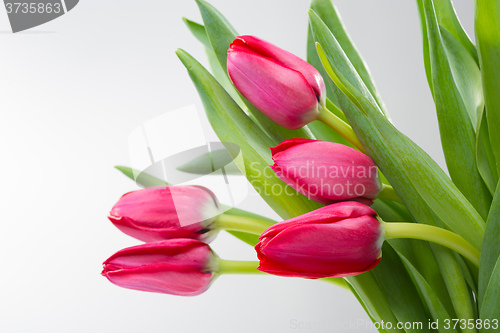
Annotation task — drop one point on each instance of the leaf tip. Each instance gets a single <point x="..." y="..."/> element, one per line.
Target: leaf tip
<point x="182" y="55"/>
<point x="312" y="13"/>
<point x="201" y="3"/>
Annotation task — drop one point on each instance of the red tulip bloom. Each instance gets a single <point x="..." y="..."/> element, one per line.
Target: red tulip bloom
<point x="326" y="172"/>
<point x="175" y="266"/>
<point x="165" y="212"/>
<point x="339" y="240"/>
<point x="284" y="87"/>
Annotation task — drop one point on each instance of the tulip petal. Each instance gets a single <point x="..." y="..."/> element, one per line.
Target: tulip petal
<point x="162" y="278"/>
<point x="286" y="59"/>
<point x="339" y="240"/>
<point x="188" y="253"/>
<point x="302" y="190"/>
<point x="145" y="234"/>
<point x="281" y="93"/>
<point x="328" y="214"/>
<point x="287" y="144"/>
<point x="175" y="266"/>
<point x="163" y="212"/>
<point x="326" y="172"/>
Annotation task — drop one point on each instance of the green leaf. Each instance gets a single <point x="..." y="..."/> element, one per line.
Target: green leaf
<point x="198" y="30"/>
<point x="239" y="212"/>
<point x="141" y="178"/>
<point x="487" y="27"/>
<point x="312" y="58"/>
<point x="232" y="125"/>
<point x="491" y="253"/>
<point x="433" y="301"/>
<point x="457" y="88"/>
<point x="220" y="34"/>
<point x="397" y="286"/>
<point x="328" y="14"/>
<point x="321" y="131"/>
<point x="484" y="155"/>
<point x="456" y="284"/>
<point x="219" y="73"/>
<point x="466" y="75"/>
<point x="490" y="309"/>
<point x="425" y="189"/>
<point x="447" y="18"/>
<point x="417" y="253"/>
<point x="209" y="162"/>
<point x="425" y="44"/>
<point x="375" y="303"/>
<point x="250" y="239"/>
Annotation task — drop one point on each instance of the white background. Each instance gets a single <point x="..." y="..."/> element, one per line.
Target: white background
<point x="72" y="91"/>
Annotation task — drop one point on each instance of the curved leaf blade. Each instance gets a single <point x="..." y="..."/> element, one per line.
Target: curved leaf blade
<point x="456" y="81"/>
<point x="326" y="10"/>
<point x="484" y="155"/>
<point x="141" y="178"/>
<point x="436" y="307"/>
<point x="448" y="19"/>
<point x="397" y="286"/>
<point x="491" y="250"/>
<point x="487" y="27"/>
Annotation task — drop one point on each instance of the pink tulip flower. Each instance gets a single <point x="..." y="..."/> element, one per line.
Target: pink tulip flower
<point x="165" y="212"/>
<point x="284" y="87"/>
<point x="326" y="172"/>
<point x="343" y="239"/>
<point x="175" y="266"/>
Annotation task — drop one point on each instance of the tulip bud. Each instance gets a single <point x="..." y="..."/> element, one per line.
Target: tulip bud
<point x="284" y="87"/>
<point x="175" y="266"/>
<point x="326" y="172"/>
<point x="165" y="212"/>
<point x="343" y="239"/>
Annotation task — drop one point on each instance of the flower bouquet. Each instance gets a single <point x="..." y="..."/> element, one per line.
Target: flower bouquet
<point x="362" y="206"/>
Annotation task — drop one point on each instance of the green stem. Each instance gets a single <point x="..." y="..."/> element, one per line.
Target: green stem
<point x="339" y="282"/>
<point x="250" y="267"/>
<point x="241" y="223"/>
<point x="237" y="267"/>
<point x="388" y="193"/>
<point x="433" y="234"/>
<point x="340" y="126"/>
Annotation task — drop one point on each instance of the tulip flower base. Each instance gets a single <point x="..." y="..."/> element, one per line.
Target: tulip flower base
<point x="436" y="258"/>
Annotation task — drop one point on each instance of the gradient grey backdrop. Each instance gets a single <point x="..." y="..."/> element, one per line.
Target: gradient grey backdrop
<point x="72" y="90"/>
